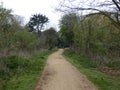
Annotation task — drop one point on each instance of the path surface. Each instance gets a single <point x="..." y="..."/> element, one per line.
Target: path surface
<point x="59" y="74"/>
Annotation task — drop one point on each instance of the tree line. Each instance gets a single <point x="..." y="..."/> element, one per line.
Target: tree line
<point x="95" y="35"/>
<point x="19" y="41"/>
<point x="15" y="37"/>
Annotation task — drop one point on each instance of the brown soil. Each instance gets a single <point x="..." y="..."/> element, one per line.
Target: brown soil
<point x="59" y="74"/>
<point x="109" y="71"/>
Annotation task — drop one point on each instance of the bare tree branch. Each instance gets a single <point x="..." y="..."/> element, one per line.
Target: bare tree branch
<point x="117" y="4"/>
<point x="114" y="16"/>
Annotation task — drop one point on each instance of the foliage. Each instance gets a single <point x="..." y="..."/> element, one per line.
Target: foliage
<point x="60" y="43"/>
<point x="51" y="37"/>
<point x="87" y="67"/>
<point x="25" y="40"/>
<point x="48" y="38"/>
<point x="95" y="37"/>
<point x="37" y="22"/>
<point x="108" y="8"/>
<point x="66" y="28"/>
<point x="5" y="18"/>
<point x="17" y="23"/>
<point x="19" y="67"/>
<point x="20" y="73"/>
<point x="9" y="25"/>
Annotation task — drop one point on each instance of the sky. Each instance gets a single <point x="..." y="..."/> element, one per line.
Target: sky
<point x="26" y="8"/>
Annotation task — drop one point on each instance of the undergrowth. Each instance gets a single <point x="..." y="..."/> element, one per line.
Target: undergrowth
<point x="87" y="67"/>
<point x="21" y="73"/>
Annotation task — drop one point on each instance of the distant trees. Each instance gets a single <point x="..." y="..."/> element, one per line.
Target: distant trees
<point x="16" y="40"/>
<point x="96" y="32"/>
<point x="24" y="41"/>
<point x="5" y="18"/>
<point x="94" y="36"/>
<point x="48" y="38"/>
<point x="17" y="23"/>
<point x="51" y="37"/>
<point x="109" y="8"/>
<point x="66" y="28"/>
<point x="13" y="35"/>
<point x="37" y="22"/>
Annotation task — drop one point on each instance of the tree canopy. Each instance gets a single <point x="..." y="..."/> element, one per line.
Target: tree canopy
<point x="37" y="22"/>
<point x="109" y="8"/>
<point x="66" y="28"/>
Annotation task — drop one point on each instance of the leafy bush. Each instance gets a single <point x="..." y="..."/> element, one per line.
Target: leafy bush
<point x="24" y="40"/>
<point x="81" y="59"/>
<point x="114" y="64"/>
<point x="12" y="65"/>
<point x="20" y="73"/>
<point x="87" y="67"/>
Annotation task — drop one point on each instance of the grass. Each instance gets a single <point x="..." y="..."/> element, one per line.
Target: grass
<point x="87" y="67"/>
<point x="24" y="72"/>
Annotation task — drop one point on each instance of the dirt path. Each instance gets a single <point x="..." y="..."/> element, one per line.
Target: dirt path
<point x="59" y="74"/>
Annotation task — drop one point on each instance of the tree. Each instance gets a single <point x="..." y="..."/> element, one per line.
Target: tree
<point x="37" y="22"/>
<point x="5" y="18"/>
<point x="24" y="40"/>
<point x="50" y="38"/>
<point x="109" y="8"/>
<point x="66" y="28"/>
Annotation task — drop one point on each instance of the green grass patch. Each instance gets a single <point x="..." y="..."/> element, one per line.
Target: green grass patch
<point x="23" y="73"/>
<point x="87" y="67"/>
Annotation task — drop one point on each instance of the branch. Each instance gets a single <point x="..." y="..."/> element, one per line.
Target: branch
<point x="105" y="13"/>
<point x="116" y="3"/>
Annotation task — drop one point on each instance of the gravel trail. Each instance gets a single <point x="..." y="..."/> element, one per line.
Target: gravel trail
<point x="59" y="74"/>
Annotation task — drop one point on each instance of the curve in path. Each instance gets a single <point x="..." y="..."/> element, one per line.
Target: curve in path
<point x="59" y="74"/>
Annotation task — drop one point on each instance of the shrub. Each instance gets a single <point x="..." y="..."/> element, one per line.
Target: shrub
<point x="25" y="40"/>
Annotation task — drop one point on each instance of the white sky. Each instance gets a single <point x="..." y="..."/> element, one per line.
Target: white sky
<point x="27" y="8"/>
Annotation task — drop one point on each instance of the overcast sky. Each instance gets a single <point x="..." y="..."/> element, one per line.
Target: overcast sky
<point x="26" y="8"/>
